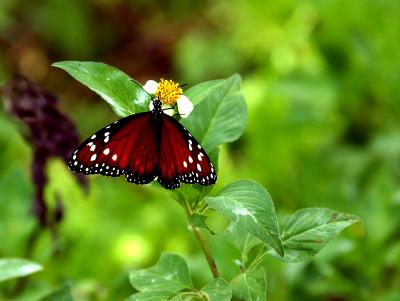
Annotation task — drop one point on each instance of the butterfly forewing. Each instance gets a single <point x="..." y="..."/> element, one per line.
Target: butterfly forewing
<point x="127" y="146"/>
<point x="182" y="159"/>
<point x="144" y="146"/>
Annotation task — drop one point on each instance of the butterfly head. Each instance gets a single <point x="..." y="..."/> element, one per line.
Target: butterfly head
<point x="157" y="104"/>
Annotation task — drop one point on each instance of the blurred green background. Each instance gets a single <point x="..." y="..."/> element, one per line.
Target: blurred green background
<point x="322" y="84"/>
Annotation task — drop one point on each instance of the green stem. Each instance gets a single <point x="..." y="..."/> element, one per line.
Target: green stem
<point x="259" y="258"/>
<point x="202" y="241"/>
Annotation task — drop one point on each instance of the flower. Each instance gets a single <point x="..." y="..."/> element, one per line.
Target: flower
<point x="150" y="86"/>
<point x="185" y="106"/>
<point x="171" y="95"/>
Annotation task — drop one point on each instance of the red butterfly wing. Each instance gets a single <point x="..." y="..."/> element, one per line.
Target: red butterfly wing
<point x="128" y="146"/>
<point x="182" y="159"/>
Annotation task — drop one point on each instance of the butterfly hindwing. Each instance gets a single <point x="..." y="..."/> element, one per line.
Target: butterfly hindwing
<point x="127" y="146"/>
<point x="182" y="159"/>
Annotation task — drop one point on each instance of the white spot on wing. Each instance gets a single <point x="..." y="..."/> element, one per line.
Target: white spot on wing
<point x="93" y="147"/>
<point x="94" y="136"/>
<point x="198" y="167"/>
<point x="114" y="157"/>
<point x="106" y="151"/>
<point x="106" y="139"/>
<point x="185" y="164"/>
<point x="190" y="159"/>
<point x="93" y="157"/>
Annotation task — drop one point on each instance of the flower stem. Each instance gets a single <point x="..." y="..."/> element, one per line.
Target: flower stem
<point x="202" y="241"/>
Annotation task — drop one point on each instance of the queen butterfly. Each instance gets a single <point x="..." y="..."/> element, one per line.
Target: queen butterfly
<point x="145" y="146"/>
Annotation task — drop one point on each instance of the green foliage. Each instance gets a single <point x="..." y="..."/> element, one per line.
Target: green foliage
<point x="308" y="230"/>
<point x="61" y="294"/>
<point x="169" y="277"/>
<point x="14" y="267"/>
<point x="151" y="296"/>
<point x="242" y="239"/>
<point x="321" y="85"/>
<point x="219" y="117"/>
<point x="170" y="274"/>
<point x="251" y="285"/>
<point x="113" y="85"/>
<point x="249" y="204"/>
<point x="217" y="290"/>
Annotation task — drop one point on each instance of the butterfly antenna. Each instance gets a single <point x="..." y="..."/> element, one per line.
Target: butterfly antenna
<point x="135" y="82"/>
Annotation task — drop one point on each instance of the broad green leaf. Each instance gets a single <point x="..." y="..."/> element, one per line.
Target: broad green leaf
<point x="199" y="92"/>
<point x="250" y="286"/>
<point x="113" y="85"/>
<point x="249" y="204"/>
<point x="151" y="296"/>
<point x="220" y="117"/>
<point x="308" y="230"/>
<point x="218" y="290"/>
<point x="243" y="240"/>
<point x="170" y="274"/>
<point x="13" y="268"/>
<point x="61" y="294"/>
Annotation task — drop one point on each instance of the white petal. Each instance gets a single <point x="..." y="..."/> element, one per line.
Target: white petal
<point x="151" y="106"/>
<point x="185" y="106"/>
<point x="167" y="109"/>
<point x="150" y="86"/>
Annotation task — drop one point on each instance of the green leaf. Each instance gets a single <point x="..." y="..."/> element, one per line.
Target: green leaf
<point x="13" y="268"/>
<point x="61" y="294"/>
<point x="240" y="238"/>
<point x="218" y="290"/>
<point x="250" y="286"/>
<point x="308" y="230"/>
<point x="170" y="274"/>
<point x="199" y="92"/>
<point x="221" y="116"/>
<point x="249" y="204"/>
<point x="113" y="85"/>
<point x="151" y="296"/>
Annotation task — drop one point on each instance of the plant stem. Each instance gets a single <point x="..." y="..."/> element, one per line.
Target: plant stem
<point x="202" y="241"/>
<point x="259" y="258"/>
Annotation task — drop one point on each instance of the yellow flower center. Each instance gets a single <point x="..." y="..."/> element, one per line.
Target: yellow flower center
<point x="168" y="92"/>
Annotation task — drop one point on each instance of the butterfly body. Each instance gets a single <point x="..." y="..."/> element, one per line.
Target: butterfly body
<point x="145" y="146"/>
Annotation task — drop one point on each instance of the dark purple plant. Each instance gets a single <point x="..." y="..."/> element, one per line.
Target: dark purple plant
<point x="50" y="133"/>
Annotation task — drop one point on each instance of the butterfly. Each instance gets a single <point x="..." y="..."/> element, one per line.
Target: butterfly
<point x="145" y="146"/>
